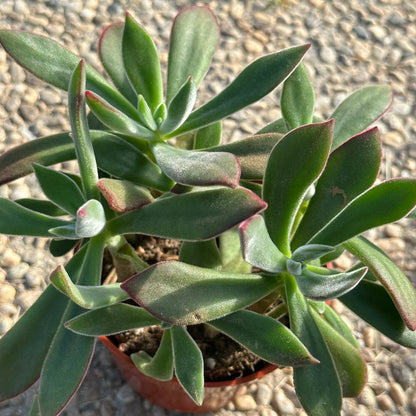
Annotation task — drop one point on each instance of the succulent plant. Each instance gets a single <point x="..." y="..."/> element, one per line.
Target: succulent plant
<point x="258" y="219"/>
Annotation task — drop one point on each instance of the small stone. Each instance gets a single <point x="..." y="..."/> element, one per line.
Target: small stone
<point x="328" y="55"/>
<point x="397" y="394"/>
<point x="282" y="404"/>
<point x="7" y="293"/>
<point x="17" y="272"/>
<point x="385" y="402"/>
<point x="394" y="230"/>
<point x="33" y="278"/>
<point x="393" y="139"/>
<point x="379" y="32"/>
<point x="50" y="97"/>
<point x="9" y="258"/>
<point x="253" y="46"/>
<point x="264" y="394"/>
<point x="5" y="324"/>
<point x="20" y="191"/>
<point x="245" y="402"/>
<point x="3" y="243"/>
<point x="211" y="362"/>
<point x="368" y="398"/>
<point x="26" y="299"/>
<point x="125" y="394"/>
<point x="402" y="374"/>
<point x="266" y="411"/>
<point x="410" y="361"/>
<point x="369" y="335"/>
<point x="362" y="32"/>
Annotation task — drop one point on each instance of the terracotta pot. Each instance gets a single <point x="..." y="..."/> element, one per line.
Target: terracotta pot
<point x="169" y="394"/>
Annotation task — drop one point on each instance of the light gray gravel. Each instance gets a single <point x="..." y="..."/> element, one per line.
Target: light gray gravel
<point x="354" y="43"/>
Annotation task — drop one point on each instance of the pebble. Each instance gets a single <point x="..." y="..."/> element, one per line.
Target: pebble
<point x="245" y="402"/>
<point x="402" y="374"/>
<point x="125" y="394"/>
<point x="397" y="394"/>
<point x="17" y="272"/>
<point x="9" y="258"/>
<point x="282" y="404"/>
<point x="264" y="394"/>
<point x="385" y="402"/>
<point x="368" y="398"/>
<point x="328" y="55"/>
<point x="7" y="293"/>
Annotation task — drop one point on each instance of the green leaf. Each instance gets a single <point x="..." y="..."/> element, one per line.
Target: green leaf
<point x="111" y="153"/>
<point x="384" y="203"/>
<point x="258" y="248"/>
<point x="80" y="132"/>
<point x="141" y="62"/>
<point x="193" y="40"/>
<point x="371" y="302"/>
<point x="317" y="386"/>
<point x="65" y="231"/>
<point x="252" y="153"/>
<point x="189" y="167"/>
<point x="59" y="188"/>
<point x="231" y="255"/>
<point x="17" y="220"/>
<point x="393" y="279"/>
<point x="208" y="136"/>
<point x="298" y="99"/>
<point x="90" y="219"/>
<point x="183" y="294"/>
<point x="192" y="216"/>
<point x="201" y="253"/>
<point x="189" y="364"/>
<point x="123" y="196"/>
<point x="61" y="247"/>
<point x="349" y="364"/>
<point x="160" y="366"/>
<point x="116" y="120"/>
<point x="351" y="169"/>
<point x="318" y="283"/>
<point x="42" y="206"/>
<point x="88" y="297"/>
<point x="145" y="114"/>
<point x="111" y="56"/>
<point x="339" y="325"/>
<point x="277" y="126"/>
<point x="253" y="83"/>
<point x="265" y="337"/>
<point x="358" y="111"/>
<point x="54" y="64"/>
<point x="180" y="107"/>
<point x="311" y="252"/>
<point x="295" y="163"/>
<point x="111" y="320"/>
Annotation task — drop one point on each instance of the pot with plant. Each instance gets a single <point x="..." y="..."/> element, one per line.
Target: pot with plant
<point x="255" y="220"/>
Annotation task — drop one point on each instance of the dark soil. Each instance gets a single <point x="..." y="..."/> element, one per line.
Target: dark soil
<point x="224" y="359"/>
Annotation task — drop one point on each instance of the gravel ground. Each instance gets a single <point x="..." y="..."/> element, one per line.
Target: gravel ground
<point x="354" y="43"/>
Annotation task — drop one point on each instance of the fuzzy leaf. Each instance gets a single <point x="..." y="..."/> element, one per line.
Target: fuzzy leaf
<point x="115" y="119"/>
<point x="393" y="279"/>
<point x="208" y="136"/>
<point x="371" y="302"/>
<point x="54" y="64"/>
<point x="65" y="231"/>
<point x="160" y="366"/>
<point x="252" y="153"/>
<point x="295" y="163"/>
<point x="339" y="325"/>
<point x="193" y="40"/>
<point x="351" y="169"/>
<point x="145" y="114"/>
<point x="254" y="82"/>
<point x="311" y="252"/>
<point x="277" y="126"/>
<point x="141" y="62"/>
<point x="201" y="253"/>
<point x="318" y="283"/>
<point x="349" y="364"/>
<point x="384" y="203"/>
<point x="17" y="220"/>
<point x="358" y="111"/>
<point x="265" y="337"/>
<point x="80" y="132"/>
<point x="180" y="107"/>
<point x="183" y="294"/>
<point x="111" y="56"/>
<point x="111" y="320"/>
<point x="258" y="248"/>
<point x="189" y="364"/>
<point x="59" y="188"/>
<point x="231" y="255"/>
<point x="323" y="398"/>
<point x="60" y="247"/>
<point x="90" y="219"/>
<point x="42" y="206"/>
<point x="192" y="216"/>
<point x="189" y="167"/>
<point x="297" y="100"/>
<point x="88" y="297"/>
<point x="124" y="196"/>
